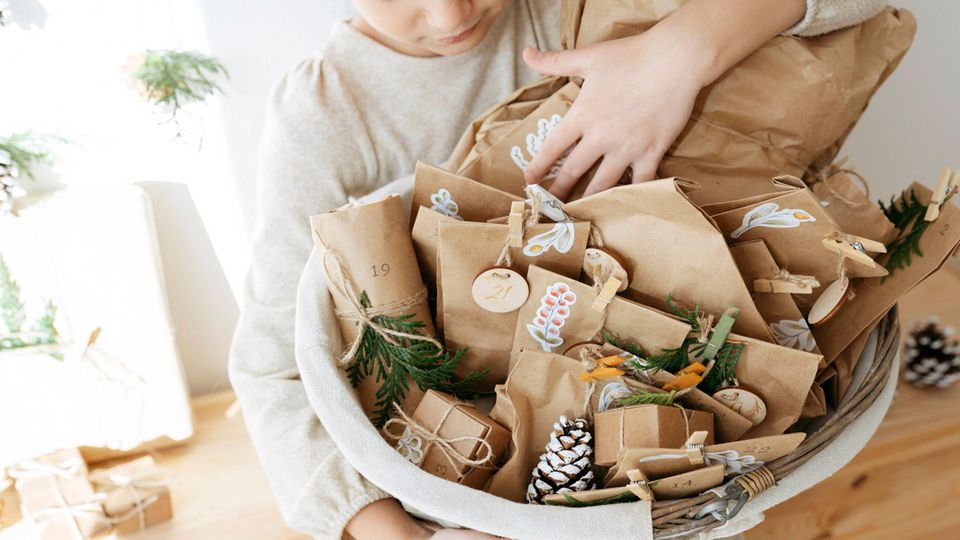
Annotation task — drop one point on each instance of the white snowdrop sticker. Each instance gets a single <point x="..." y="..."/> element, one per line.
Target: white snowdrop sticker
<point x="770" y="215"/>
<point x="443" y="202"/>
<point x="559" y="237"/>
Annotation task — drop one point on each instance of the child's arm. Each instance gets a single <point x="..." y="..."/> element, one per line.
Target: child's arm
<point x="638" y="92"/>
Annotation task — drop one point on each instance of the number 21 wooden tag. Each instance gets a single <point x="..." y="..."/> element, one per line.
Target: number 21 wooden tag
<point x="500" y="290"/>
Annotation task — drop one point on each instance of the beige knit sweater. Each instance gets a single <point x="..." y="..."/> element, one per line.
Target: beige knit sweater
<point x="342" y="123"/>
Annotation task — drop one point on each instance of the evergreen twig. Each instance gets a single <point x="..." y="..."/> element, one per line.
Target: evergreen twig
<point x="10" y="303"/>
<point x="26" y="149"/>
<point x="646" y="397"/>
<point x="41" y="332"/>
<point x="907" y="215"/>
<point x="174" y="79"/>
<point x="391" y="364"/>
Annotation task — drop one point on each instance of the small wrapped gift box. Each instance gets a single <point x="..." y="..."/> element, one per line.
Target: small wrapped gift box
<point x="55" y="493"/>
<point x="646" y="426"/>
<point x="136" y="494"/>
<point x="451" y="439"/>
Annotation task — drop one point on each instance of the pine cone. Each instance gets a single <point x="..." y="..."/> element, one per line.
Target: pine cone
<point x="932" y="359"/>
<point x="567" y="463"/>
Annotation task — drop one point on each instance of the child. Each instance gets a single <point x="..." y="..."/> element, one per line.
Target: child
<point x="399" y="83"/>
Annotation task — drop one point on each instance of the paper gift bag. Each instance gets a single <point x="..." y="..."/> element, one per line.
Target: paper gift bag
<point x="649" y="329"/>
<point x="872" y="298"/>
<point x="476" y="442"/>
<point x="737" y="457"/>
<point x="681" y="250"/>
<point x="541" y="387"/>
<point x="425" y="236"/>
<point x="786" y="108"/>
<point x="645" y="426"/>
<point x="136" y="494"/>
<point x="503" y="162"/>
<point x="849" y="206"/>
<point x="368" y="253"/>
<point x="793" y="226"/>
<point x="467" y="249"/>
<point x="456" y="196"/>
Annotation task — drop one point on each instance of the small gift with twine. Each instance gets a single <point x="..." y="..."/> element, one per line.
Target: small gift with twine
<point x="56" y="495"/>
<point x="372" y="271"/>
<point x="655" y="426"/>
<point x="450" y="439"/>
<point x="136" y="494"/>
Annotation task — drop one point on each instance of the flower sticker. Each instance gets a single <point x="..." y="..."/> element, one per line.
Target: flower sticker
<point x="769" y="215"/>
<point x="560" y="237"/>
<point x="410" y="446"/>
<point x="534" y="142"/>
<point x="554" y="310"/>
<point x="794" y="334"/>
<point x="444" y="203"/>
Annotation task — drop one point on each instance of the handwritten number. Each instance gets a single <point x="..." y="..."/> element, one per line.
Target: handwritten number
<point x="384" y="269"/>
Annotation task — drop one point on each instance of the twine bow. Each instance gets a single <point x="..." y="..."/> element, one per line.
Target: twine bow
<point x="152" y="478"/>
<point x="784" y="275"/>
<point x="67" y="468"/>
<point x="364" y="316"/>
<point x="92" y="509"/>
<point x="445" y="445"/>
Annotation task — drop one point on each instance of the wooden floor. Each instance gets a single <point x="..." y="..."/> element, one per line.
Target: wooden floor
<point x="905" y="484"/>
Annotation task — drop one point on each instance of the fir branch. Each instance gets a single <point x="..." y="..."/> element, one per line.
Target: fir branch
<point x="26" y="149"/>
<point x="907" y="215"/>
<point x="393" y="365"/>
<point x="174" y="79"/>
<point x="645" y="397"/>
<point x="11" y="306"/>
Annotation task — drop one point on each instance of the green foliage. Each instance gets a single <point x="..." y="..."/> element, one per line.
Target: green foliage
<point x="174" y="79"/>
<point x="645" y="397"/>
<point x="725" y="362"/>
<point x="26" y="149"/>
<point x="391" y="364"/>
<point x="41" y="332"/>
<point x="11" y="307"/>
<point x="907" y="215"/>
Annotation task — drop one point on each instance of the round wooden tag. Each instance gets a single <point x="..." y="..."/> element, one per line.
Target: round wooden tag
<point x="500" y="290"/>
<point x="743" y="402"/>
<point x="830" y="302"/>
<point x="603" y="261"/>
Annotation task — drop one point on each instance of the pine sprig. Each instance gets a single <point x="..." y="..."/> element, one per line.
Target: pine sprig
<point x="174" y="79"/>
<point x="394" y="365"/>
<point x="646" y="397"/>
<point x="26" y="149"/>
<point x="10" y="304"/>
<point x="907" y="215"/>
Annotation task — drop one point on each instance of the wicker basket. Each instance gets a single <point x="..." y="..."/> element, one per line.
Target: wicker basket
<point x="694" y="515"/>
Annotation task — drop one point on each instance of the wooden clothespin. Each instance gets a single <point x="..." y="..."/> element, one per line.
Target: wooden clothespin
<point x="800" y="284"/>
<point x="516" y="224"/>
<point x="607" y="292"/>
<point x="855" y="248"/>
<point x="720" y="333"/>
<point x="639" y="485"/>
<point x="939" y="194"/>
<point x="694" y="447"/>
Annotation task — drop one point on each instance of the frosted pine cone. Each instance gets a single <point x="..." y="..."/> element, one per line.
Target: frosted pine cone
<point x="566" y="465"/>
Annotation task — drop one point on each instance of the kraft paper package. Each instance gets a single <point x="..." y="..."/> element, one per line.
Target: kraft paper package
<point x="467" y="249"/>
<point x="785" y="109"/>
<point x="672" y="230"/>
<point x="456" y="196"/>
<point x="383" y="266"/>
<point x="793" y="226"/>
<point x="872" y="298"/>
<point x="781" y="376"/>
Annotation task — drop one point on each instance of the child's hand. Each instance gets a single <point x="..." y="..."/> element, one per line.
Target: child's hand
<point x="635" y="100"/>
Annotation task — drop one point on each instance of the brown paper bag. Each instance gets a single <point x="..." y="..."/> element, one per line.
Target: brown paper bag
<point x="467" y="249"/>
<point x="425" y="237"/>
<point x="456" y="196"/>
<point x="874" y="297"/>
<point x="850" y="207"/>
<point x="650" y="329"/>
<point x="785" y="108"/>
<point x="367" y="249"/>
<point x="793" y="226"/>
<point x="503" y="162"/>
<point x="541" y="388"/>
<point x="680" y="252"/>
<point x="785" y="319"/>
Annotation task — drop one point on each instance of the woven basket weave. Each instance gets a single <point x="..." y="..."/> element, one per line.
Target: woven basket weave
<point x="689" y="517"/>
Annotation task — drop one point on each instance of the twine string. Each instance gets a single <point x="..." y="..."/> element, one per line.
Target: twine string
<point x="784" y="275"/>
<point x="446" y="446"/>
<point x="838" y="167"/>
<point x="132" y="484"/>
<point x="364" y="316"/>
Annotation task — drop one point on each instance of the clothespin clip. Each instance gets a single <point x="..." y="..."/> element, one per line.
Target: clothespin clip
<point x="855" y="248"/>
<point x="940" y="191"/>
<point x="695" y="447"/>
<point x="799" y="284"/>
<point x="639" y="485"/>
<point x="606" y="295"/>
<point x="516" y="224"/>
<point x="720" y="333"/>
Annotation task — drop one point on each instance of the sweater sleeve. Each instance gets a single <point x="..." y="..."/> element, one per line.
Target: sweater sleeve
<point x="303" y="171"/>
<point x="825" y="16"/>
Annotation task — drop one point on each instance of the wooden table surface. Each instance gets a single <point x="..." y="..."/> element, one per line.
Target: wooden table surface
<point x="905" y="484"/>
